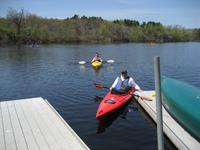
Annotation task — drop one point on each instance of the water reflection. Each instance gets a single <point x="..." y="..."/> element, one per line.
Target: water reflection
<point x="110" y="68"/>
<point x="97" y="71"/>
<point x="82" y="68"/>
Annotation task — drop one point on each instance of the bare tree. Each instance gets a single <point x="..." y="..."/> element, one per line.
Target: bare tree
<point x="17" y="18"/>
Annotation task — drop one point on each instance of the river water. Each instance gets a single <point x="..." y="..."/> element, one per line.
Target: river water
<point x="53" y="72"/>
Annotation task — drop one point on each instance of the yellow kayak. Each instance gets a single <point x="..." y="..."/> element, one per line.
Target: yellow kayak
<point x="96" y="64"/>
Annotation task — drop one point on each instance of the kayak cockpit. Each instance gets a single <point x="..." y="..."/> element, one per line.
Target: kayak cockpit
<point x="110" y="101"/>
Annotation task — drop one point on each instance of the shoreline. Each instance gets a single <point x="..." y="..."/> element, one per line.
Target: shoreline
<point x="95" y="43"/>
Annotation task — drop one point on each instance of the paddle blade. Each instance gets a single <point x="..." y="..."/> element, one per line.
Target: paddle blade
<point x="81" y="62"/>
<point x="98" y="85"/>
<point x="110" y="61"/>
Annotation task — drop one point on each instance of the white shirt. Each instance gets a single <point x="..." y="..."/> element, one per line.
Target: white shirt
<point x="131" y="83"/>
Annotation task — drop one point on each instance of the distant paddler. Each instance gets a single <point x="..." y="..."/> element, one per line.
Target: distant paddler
<point x="97" y="57"/>
<point x="96" y="61"/>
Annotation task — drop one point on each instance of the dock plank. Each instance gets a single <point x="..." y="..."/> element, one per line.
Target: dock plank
<point x="35" y="127"/>
<point x="20" y="140"/>
<point x="51" y="125"/>
<point x="59" y="128"/>
<point x="33" y="124"/>
<point x="10" y="142"/>
<point x="69" y="133"/>
<point x="28" y="133"/>
<point x="48" y="135"/>
<point x="2" y="133"/>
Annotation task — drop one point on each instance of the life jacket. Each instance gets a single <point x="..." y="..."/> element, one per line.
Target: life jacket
<point x="122" y="84"/>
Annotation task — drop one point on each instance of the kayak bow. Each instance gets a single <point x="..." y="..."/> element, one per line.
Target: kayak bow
<point x="96" y="64"/>
<point x="112" y="102"/>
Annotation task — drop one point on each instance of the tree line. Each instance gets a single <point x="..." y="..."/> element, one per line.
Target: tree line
<point x="26" y="28"/>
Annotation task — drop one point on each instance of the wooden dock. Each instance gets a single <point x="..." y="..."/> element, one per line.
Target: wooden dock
<point x="33" y="124"/>
<point x="180" y="137"/>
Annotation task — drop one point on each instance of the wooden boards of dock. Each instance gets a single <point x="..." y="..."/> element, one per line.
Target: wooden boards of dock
<point x="179" y="136"/>
<point x="33" y="124"/>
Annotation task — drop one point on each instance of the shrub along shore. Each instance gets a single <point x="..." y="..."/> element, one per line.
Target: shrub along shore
<point x="27" y="28"/>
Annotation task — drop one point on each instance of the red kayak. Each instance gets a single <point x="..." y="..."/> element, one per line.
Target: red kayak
<point x="112" y="102"/>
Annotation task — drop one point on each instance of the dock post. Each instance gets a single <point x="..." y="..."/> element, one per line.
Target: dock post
<point x="158" y="103"/>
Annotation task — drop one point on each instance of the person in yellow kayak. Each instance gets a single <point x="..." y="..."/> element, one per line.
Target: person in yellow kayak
<point x="123" y="84"/>
<point x="97" y="58"/>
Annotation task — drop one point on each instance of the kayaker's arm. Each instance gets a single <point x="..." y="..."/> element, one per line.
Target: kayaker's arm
<point x="92" y="60"/>
<point x="146" y="98"/>
<point x="114" y="83"/>
<point x="134" y="85"/>
<point x="140" y="95"/>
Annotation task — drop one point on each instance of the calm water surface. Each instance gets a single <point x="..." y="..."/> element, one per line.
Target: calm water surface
<point x="53" y="72"/>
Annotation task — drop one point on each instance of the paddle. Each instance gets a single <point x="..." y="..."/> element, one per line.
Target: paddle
<point x="82" y="62"/>
<point x="97" y="85"/>
<point x="110" y="61"/>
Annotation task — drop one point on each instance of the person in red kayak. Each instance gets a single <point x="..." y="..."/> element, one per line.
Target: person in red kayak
<point x="123" y="84"/>
<point x="96" y="58"/>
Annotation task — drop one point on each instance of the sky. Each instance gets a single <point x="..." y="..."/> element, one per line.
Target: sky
<point x="185" y="13"/>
